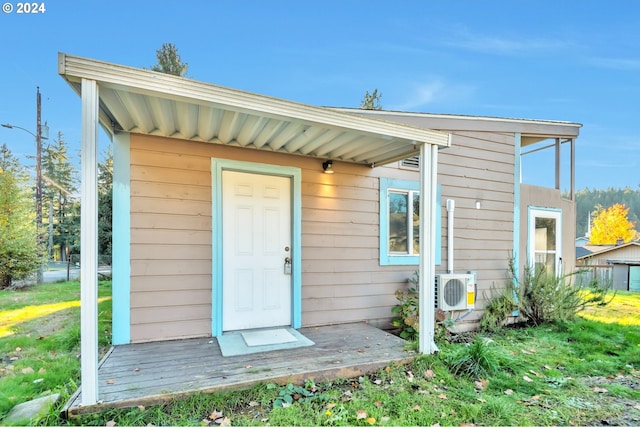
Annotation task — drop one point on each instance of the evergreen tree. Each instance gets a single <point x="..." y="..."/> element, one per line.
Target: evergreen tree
<point x="169" y="61"/>
<point x="105" y="204"/>
<point x="60" y="178"/>
<point x="371" y="101"/>
<point x="18" y="232"/>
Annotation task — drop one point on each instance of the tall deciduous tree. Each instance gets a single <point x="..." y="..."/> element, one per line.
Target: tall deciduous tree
<point x="588" y="199"/>
<point x="169" y="61"/>
<point x="611" y="224"/>
<point x="60" y="178"/>
<point x="371" y="101"/>
<point x="18" y="232"/>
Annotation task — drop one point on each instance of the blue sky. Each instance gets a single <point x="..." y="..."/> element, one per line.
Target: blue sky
<point x="576" y="61"/>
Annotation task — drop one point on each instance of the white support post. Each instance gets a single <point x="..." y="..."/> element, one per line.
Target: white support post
<point x="428" y="194"/>
<point x="558" y="164"/>
<point x="89" y="244"/>
<point x="573" y="169"/>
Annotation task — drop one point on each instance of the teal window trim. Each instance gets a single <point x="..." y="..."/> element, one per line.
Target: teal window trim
<point x="387" y="184"/>
<point x="217" y="166"/>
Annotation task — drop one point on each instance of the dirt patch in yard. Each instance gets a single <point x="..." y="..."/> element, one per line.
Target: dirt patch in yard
<point x="608" y="392"/>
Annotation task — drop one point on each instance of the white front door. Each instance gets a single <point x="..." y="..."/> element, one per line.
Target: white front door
<point x="256" y="218"/>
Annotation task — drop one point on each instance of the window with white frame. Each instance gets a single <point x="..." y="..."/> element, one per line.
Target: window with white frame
<point x="404" y="222"/>
<point x="545" y="240"/>
<point x="400" y="223"/>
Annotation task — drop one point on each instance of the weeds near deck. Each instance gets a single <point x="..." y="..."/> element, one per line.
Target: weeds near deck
<point x="475" y="360"/>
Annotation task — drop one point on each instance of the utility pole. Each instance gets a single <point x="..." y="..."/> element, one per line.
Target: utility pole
<point x="38" y="136"/>
<point x="39" y="181"/>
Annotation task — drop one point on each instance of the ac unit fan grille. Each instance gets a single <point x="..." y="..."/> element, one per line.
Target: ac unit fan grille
<point x="454" y="291"/>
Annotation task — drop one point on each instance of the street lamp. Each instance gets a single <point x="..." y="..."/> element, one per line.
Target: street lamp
<point x="39" y="137"/>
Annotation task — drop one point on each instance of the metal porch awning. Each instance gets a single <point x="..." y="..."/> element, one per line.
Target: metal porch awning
<point x="146" y="102"/>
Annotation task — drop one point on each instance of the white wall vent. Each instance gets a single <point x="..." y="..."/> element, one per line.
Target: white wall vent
<point x="455" y="291"/>
<point x="411" y="162"/>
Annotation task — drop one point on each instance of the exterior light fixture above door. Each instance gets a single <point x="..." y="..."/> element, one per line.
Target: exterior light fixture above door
<point x="328" y="166"/>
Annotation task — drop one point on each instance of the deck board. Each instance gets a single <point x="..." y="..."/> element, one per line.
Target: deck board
<point x="153" y="373"/>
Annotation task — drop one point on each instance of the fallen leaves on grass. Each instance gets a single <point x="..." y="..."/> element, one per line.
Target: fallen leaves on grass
<point x="480" y="384"/>
<point x="218" y="418"/>
<point x="409" y="376"/>
<point x="215" y="415"/>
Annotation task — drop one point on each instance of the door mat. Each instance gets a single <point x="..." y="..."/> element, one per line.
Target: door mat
<point x="268" y="337"/>
<point x="237" y="343"/>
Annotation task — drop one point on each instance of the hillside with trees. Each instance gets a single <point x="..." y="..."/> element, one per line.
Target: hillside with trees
<point x="589" y="201"/>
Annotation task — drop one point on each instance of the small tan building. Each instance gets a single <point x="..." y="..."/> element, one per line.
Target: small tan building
<point x="619" y="264"/>
<point x="236" y="211"/>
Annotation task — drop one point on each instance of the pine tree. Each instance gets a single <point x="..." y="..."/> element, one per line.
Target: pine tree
<point x="371" y="101"/>
<point x="105" y="204"/>
<point x="60" y="178"/>
<point x="169" y="61"/>
<point x="18" y="232"/>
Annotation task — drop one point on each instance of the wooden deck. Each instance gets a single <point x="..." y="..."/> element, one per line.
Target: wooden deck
<point x="153" y="373"/>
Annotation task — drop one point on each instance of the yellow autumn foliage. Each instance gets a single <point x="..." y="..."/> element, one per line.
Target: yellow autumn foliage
<point x="611" y="224"/>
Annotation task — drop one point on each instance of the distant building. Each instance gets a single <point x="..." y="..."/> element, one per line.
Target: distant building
<point x="621" y="263"/>
<point x="581" y="241"/>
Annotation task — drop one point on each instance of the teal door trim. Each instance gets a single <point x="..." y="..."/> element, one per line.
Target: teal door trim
<point x="219" y="165"/>
<point x="121" y="245"/>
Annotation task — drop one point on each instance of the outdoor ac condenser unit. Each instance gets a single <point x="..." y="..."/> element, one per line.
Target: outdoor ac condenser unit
<point x="455" y="291"/>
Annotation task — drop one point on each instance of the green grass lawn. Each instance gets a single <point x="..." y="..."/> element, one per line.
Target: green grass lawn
<point x="586" y="371"/>
<point x="40" y="341"/>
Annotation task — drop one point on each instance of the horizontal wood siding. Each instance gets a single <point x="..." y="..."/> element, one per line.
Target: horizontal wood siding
<point x="170" y="240"/>
<point x="342" y="277"/>
<point x="342" y="280"/>
<point x="479" y="167"/>
<point x="622" y="254"/>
